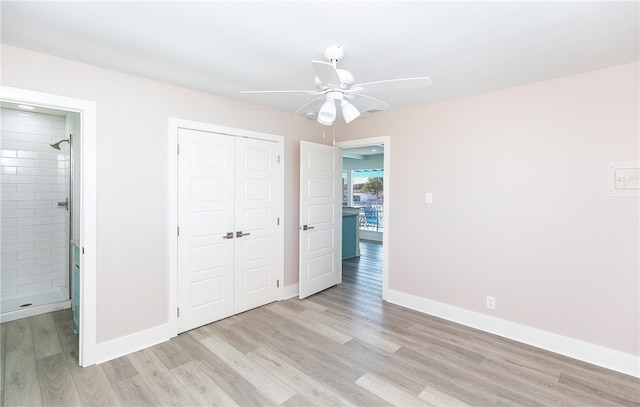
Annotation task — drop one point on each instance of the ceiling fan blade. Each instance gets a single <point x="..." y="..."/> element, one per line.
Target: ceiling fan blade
<point x="327" y="73"/>
<point x="394" y="84"/>
<point x="366" y="103"/>
<point x="308" y="92"/>
<point x="308" y="106"/>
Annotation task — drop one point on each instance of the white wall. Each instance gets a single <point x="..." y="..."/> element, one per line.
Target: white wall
<point x="521" y="210"/>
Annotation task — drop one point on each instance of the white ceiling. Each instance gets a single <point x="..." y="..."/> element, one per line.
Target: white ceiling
<point x="223" y="47"/>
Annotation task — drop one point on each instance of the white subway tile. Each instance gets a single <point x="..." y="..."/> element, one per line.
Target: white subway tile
<point x="60" y="266"/>
<point x="50" y="260"/>
<point x="50" y="244"/>
<point x="59" y="219"/>
<point x="8" y="170"/>
<point x="7" y="259"/>
<point x="60" y="188"/>
<point x="45" y="180"/>
<point x="8" y="291"/>
<point x="8" y="135"/>
<point x="28" y="271"/>
<point x="15" y="282"/>
<point x="19" y="196"/>
<point x="39" y="155"/>
<point x="17" y="162"/>
<point x="9" y="153"/>
<point x="60" y="235"/>
<point x="60" y="227"/>
<point x="17" y="179"/>
<point x="50" y="131"/>
<point x="61" y="282"/>
<point x="45" y="163"/>
<point x="8" y="204"/>
<point x="33" y="237"/>
<point x="10" y="126"/>
<point x="27" y="288"/>
<point x="59" y="250"/>
<point x="17" y="213"/>
<point x="34" y="204"/>
<point x="7" y="274"/>
<point x="17" y="230"/>
<point x="8" y="116"/>
<point x="17" y="145"/>
<point x="51" y="172"/>
<point x="34" y="188"/>
<point x="9" y="222"/>
<point x="39" y="220"/>
<point x="16" y="247"/>
<point x="34" y="254"/>
<point x="50" y="276"/>
<point x="49" y="212"/>
<point x="51" y="196"/>
<point x="9" y="187"/>
<point x="44" y="139"/>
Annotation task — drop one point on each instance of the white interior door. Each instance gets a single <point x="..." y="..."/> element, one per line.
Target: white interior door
<point x="320" y="230"/>
<point x="257" y="243"/>
<point x="205" y="216"/>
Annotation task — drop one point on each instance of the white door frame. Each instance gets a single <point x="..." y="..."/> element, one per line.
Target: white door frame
<point x="172" y="178"/>
<point x="386" y="140"/>
<point x="88" y="180"/>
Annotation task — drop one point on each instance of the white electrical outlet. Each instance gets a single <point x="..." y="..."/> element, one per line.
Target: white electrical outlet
<point x="491" y="302"/>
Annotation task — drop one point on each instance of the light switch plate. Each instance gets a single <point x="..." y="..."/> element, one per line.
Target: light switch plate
<point x="429" y="197"/>
<point x="624" y="179"/>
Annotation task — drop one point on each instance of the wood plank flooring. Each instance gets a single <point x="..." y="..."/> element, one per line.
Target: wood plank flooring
<point x="341" y="347"/>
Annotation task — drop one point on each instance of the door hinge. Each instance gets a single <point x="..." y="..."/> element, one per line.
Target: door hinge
<point x="178" y="231"/>
<point x="278" y="222"/>
<point x="277" y="283"/>
<point x="178" y="309"/>
<point x="178" y="149"/>
<point x="83" y="250"/>
<point x="278" y="158"/>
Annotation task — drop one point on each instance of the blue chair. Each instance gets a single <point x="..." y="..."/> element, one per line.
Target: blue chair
<point x="371" y="216"/>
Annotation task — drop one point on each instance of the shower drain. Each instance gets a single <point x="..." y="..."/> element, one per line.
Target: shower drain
<point x="26" y="305"/>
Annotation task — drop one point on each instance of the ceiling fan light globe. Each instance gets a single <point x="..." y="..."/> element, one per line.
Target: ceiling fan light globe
<point x="349" y="112"/>
<point x="327" y="113"/>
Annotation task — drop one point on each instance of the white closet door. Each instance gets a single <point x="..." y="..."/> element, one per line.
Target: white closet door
<point x="257" y="247"/>
<point x="320" y="218"/>
<point x="205" y="216"/>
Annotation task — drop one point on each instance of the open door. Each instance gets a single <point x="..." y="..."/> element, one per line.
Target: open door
<point x="320" y="227"/>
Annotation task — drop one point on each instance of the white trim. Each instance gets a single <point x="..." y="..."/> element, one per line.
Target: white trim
<point x="88" y="156"/>
<point x="34" y="310"/>
<point x="290" y="291"/>
<point x="573" y="348"/>
<point x="386" y="140"/>
<point x="172" y="198"/>
<point x="132" y="343"/>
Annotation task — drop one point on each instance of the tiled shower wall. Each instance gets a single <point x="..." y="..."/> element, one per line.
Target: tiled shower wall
<point x="35" y="177"/>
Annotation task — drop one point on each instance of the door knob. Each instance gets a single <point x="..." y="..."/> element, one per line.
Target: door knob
<point x="305" y="227"/>
<point x="229" y="235"/>
<point x="240" y="234"/>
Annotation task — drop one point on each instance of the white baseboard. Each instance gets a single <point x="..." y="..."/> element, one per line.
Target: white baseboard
<point x="574" y="348"/>
<point x="125" y="345"/>
<point x="290" y="291"/>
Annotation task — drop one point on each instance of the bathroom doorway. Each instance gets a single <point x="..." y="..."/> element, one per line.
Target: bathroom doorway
<point x="48" y="164"/>
<point x="37" y="146"/>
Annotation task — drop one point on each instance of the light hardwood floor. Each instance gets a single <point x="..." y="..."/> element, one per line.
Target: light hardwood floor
<point x="341" y="347"/>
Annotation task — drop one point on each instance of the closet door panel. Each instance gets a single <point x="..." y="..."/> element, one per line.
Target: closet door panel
<point x="256" y="202"/>
<point x="205" y="216"/>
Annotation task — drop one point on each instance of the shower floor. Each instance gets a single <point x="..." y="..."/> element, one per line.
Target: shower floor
<point x="16" y="307"/>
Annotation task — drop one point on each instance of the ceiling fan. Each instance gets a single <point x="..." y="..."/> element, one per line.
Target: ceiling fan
<point x="335" y="87"/>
